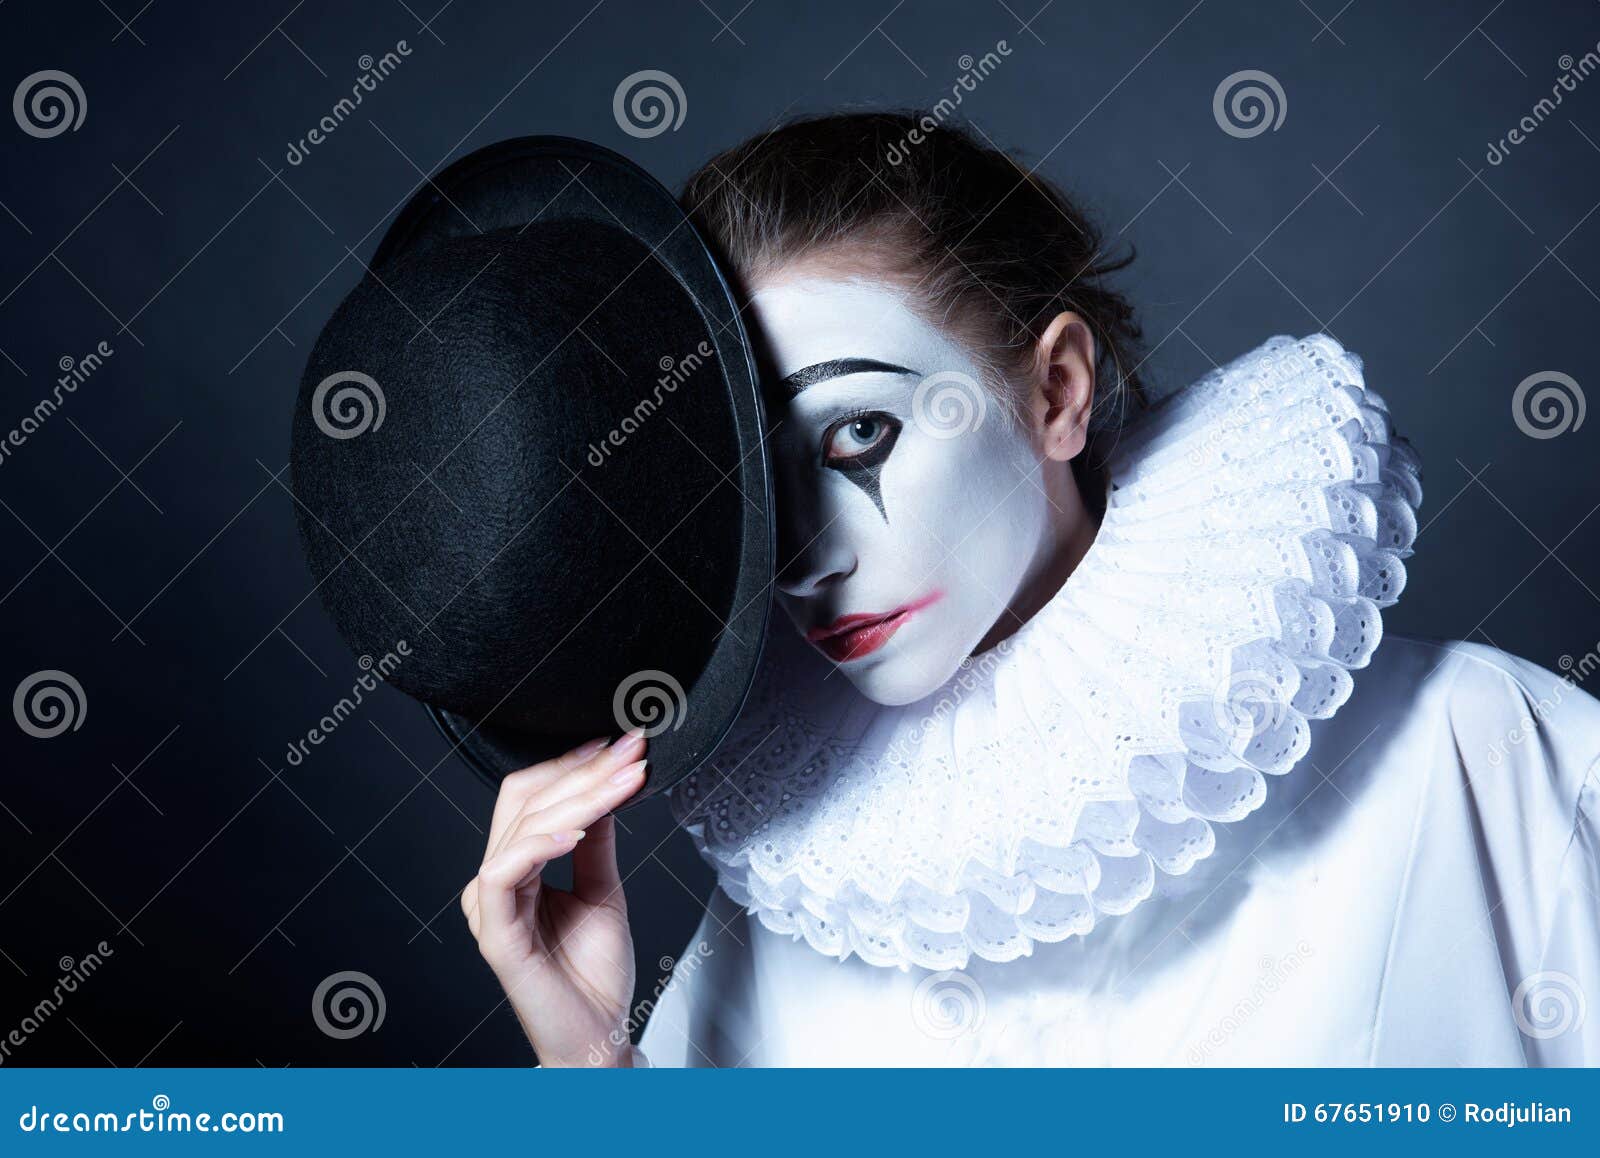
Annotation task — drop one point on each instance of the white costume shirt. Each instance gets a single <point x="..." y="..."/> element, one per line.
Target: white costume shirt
<point x="1070" y="855"/>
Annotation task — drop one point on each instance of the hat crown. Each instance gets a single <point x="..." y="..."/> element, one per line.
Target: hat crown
<point x="512" y="451"/>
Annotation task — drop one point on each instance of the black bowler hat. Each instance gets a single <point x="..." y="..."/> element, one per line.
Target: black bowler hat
<point x="528" y="444"/>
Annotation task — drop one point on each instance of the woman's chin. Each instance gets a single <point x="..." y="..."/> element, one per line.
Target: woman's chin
<point x="894" y="681"/>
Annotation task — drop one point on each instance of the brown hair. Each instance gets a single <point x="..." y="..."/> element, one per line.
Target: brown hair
<point x="984" y="246"/>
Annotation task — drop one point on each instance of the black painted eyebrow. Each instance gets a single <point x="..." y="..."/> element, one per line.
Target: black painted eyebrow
<point x="838" y="368"/>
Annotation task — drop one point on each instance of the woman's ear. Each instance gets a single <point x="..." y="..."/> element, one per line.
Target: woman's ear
<point x="1063" y="386"/>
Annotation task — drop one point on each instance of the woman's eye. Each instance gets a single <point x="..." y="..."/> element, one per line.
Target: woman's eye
<point x="863" y="436"/>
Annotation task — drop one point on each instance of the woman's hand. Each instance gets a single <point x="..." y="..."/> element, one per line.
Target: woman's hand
<point x="565" y="959"/>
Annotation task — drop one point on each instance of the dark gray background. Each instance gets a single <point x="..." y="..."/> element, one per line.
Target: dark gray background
<point x="170" y="225"/>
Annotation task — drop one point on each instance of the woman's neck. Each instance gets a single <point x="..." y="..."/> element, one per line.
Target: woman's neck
<point x="1073" y="529"/>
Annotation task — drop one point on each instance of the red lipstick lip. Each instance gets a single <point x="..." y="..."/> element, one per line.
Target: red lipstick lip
<point x="860" y="634"/>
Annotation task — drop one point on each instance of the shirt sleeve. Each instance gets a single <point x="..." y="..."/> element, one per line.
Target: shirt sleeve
<point x="1529" y="741"/>
<point x="1551" y="1005"/>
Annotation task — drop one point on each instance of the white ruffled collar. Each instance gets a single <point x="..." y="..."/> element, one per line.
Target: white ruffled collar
<point x="1255" y="524"/>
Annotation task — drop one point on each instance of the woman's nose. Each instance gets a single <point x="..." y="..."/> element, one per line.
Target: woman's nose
<point x="811" y="571"/>
<point x="810" y="558"/>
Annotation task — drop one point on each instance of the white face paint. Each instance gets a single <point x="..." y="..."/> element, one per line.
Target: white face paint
<point x="910" y="504"/>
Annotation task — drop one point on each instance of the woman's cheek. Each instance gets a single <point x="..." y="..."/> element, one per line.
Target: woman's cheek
<point x="967" y="487"/>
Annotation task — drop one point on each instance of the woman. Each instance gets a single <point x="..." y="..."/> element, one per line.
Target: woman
<point x="1030" y="823"/>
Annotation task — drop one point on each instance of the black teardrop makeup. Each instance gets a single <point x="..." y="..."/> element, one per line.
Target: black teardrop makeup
<point x="857" y="446"/>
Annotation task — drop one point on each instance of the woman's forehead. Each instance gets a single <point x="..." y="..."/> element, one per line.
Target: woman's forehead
<point x="808" y="321"/>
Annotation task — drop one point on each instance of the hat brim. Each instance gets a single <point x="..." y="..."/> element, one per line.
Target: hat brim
<point x="513" y="184"/>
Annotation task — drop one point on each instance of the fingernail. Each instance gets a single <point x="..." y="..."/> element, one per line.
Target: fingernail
<point x="631" y="772"/>
<point x="583" y="751"/>
<point x="571" y="837"/>
<point x="628" y="743"/>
